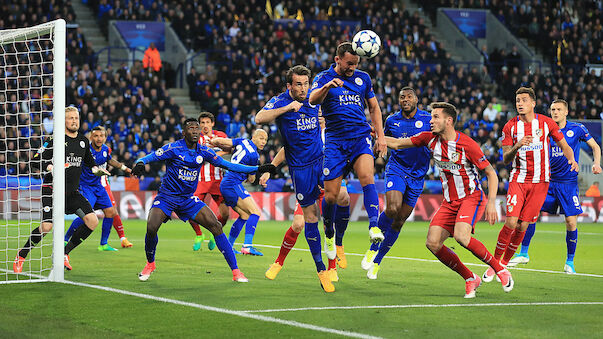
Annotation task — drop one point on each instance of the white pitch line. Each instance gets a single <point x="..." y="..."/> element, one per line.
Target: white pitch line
<point x="227" y="311"/>
<point x="422" y="306"/>
<point x="468" y="264"/>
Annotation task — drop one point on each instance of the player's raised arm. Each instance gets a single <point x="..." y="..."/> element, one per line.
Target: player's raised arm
<point x="278" y="159"/>
<point x="162" y="153"/>
<point x="377" y="121"/>
<point x="268" y="114"/>
<point x="596" y="155"/>
<point x="223" y="143"/>
<point x="318" y="95"/>
<point x="491" y="215"/>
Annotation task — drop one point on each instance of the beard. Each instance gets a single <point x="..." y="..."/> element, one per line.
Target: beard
<point x="72" y="129"/>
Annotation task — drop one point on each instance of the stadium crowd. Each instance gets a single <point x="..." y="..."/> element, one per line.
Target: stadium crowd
<point x="248" y="53"/>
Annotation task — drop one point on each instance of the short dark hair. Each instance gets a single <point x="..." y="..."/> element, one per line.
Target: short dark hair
<point x="297" y="70"/>
<point x="407" y="88"/>
<point x="99" y="128"/>
<point x="206" y="114"/>
<point x="448" y="109"/>
<point x="526" y="90"/>
<point x="190" y="120"/>
<point x="343" y="48"/>
<point x="560" y="101"/>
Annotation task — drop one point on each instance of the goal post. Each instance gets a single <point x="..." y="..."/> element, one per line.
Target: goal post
<point x="32" y="87"/>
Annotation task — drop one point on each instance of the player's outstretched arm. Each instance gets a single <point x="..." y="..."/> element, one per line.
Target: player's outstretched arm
<point x="400" y="143"/>
<point x="377" y="121"/>
<point x="491" y="215"/>
<point x="596" y="155"/>
<point x="119" y="165"/>
<point x="266" y="116"/>
<point x="318" y="95"/>
<point x="569" y="154"/>
<point x="223" y="143"/>
<point x="278" y="159"/>
<point x="99" y="172"/>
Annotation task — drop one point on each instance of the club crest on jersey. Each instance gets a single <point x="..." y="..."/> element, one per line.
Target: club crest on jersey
<point x="82" y="144"/>
<point x="358" y="81"/>
<point x="159" y="152"/>
<point x="105" y="154"/>
<point x="199" y="159"/>
<point x="390" y="184"/>
<point x="510" y="208"/>
<point x="326" y="171"/>
<point x="156" y="203"/>
<point x="570" y="133"/>
<point x="46" y="209"/>
<point x="454" y="157"/>
<point x="300" y="196"/>
<point x="539" y="132"/>
<point x="419" y="124"/>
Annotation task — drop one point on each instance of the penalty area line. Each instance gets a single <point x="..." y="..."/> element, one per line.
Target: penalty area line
<point x="328" y="308"/>
<point x="226" y="311"/>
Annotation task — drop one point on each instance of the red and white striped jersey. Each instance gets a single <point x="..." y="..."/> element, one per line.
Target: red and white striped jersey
<point x="210" y="172"/>
<point x="458" y="160"/>
<point x="531" y="162"/>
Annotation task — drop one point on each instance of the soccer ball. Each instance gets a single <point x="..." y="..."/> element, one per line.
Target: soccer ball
<point x="366" y="44"/>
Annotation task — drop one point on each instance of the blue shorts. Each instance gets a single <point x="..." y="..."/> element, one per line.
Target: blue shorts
<point x="97" y="196"/>
<point x="232" y="193"/>
<point x="341" y="154"/>
<point x="306" y="180"/>
<point x="563" y="199"/>
<point x="411" y="188"/>
<point x="185" y="208"/>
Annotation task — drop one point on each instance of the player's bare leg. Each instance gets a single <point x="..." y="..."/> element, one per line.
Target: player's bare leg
<point x="154" y="221"/>
<point x="208" y="219"/>
<point x="364" y="166"/>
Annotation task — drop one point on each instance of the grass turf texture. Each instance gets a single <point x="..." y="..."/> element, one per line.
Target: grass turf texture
<point x="60" y="310"/>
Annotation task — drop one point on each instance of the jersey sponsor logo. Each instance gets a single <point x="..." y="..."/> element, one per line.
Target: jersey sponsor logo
<point x="300" y="196"/>
<point x="419" y="124"/>
<point x="82" y="144"/>
<point x="349" y="99"/>
<point x="187" y="175"/>
<point x="358" y="81"/>
<point x="533" y="147"/>
<point x="556" y="152"/>
<point x="304" y="124"/>
<point x="447" y="165"/>
<point x="570" y="133"/>
<point x="72" y="160"/>
<point x="159" y="152"/>
<point x="199" y="159"/>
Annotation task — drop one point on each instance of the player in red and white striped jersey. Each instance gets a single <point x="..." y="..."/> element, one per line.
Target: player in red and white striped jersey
<point x="459" y="158"/>
<point x="210" y="178"/>
<point x="526" y="144"/>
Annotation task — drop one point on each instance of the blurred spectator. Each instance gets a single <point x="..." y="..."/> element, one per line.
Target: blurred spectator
<point x="593" y="190"/>
<point x="151" y="60"/>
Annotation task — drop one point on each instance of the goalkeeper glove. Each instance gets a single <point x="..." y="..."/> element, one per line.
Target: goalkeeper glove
<point x="266" y="168"/>
<point x="138" y="169"/>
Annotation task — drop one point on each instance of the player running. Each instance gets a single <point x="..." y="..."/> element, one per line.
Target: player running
<point x="245" y="151"/>
<point x="458" y="158"/>
<point x="526" y="142"/>
<point x="563" y="183"/>
<point x="344" y="92"/>
<point x="184" y="159"/>
<point x="209" y="180"/>
<point x="77" y="152"/>
<point x="92" y="189"/>
<point x="404" y="176"/>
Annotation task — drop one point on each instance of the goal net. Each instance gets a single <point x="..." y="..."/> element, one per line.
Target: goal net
<point x="32" y="102"/>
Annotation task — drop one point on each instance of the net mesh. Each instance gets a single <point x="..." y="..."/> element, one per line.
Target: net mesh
<point x="26" y="103"/>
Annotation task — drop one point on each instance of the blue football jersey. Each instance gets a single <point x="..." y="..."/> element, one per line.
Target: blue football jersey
<point x="343" y="107"/>
<point x="182" y="166"/>
<point x="300" y="130"/>
<point x="101" y="157"/>
<point x="414" y="161"/>
<point x="573" y="133"/>
<point x="245" y="152"/>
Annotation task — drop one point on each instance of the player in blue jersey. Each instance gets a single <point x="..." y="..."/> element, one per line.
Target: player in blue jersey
<point x="245" y="152"/>
<point x="92" y="189"/>
<point x="299" y="126"/>
<point x="404" y="175"/>
<point x="562" y="196"/>
<point x="344" y="92"/>
<point x="183" y="159"/>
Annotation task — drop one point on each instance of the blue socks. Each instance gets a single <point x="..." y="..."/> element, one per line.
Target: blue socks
<point x="371" y="203"/>
<point x="328" y="214"/>
<point x="525" y="244"/>
<point x="226" y="248"/>
<point x="250" y="226"/>
<point x="342" y="217"/>
<point x="235" y="229"/>
<point x="313" y="238"/>
<point x="390" y="238"/>
<point x="106" y="230"/>
<point x="150" y="245"/>
<point x="74" y="225"/>
<point x="571" y="239"/>
<point x="385" y="224"/>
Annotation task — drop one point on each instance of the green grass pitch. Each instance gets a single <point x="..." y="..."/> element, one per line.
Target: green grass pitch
<point x="423" y="297"/>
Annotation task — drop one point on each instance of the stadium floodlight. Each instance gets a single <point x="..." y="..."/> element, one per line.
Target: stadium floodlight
<point x="32" y="89"/>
